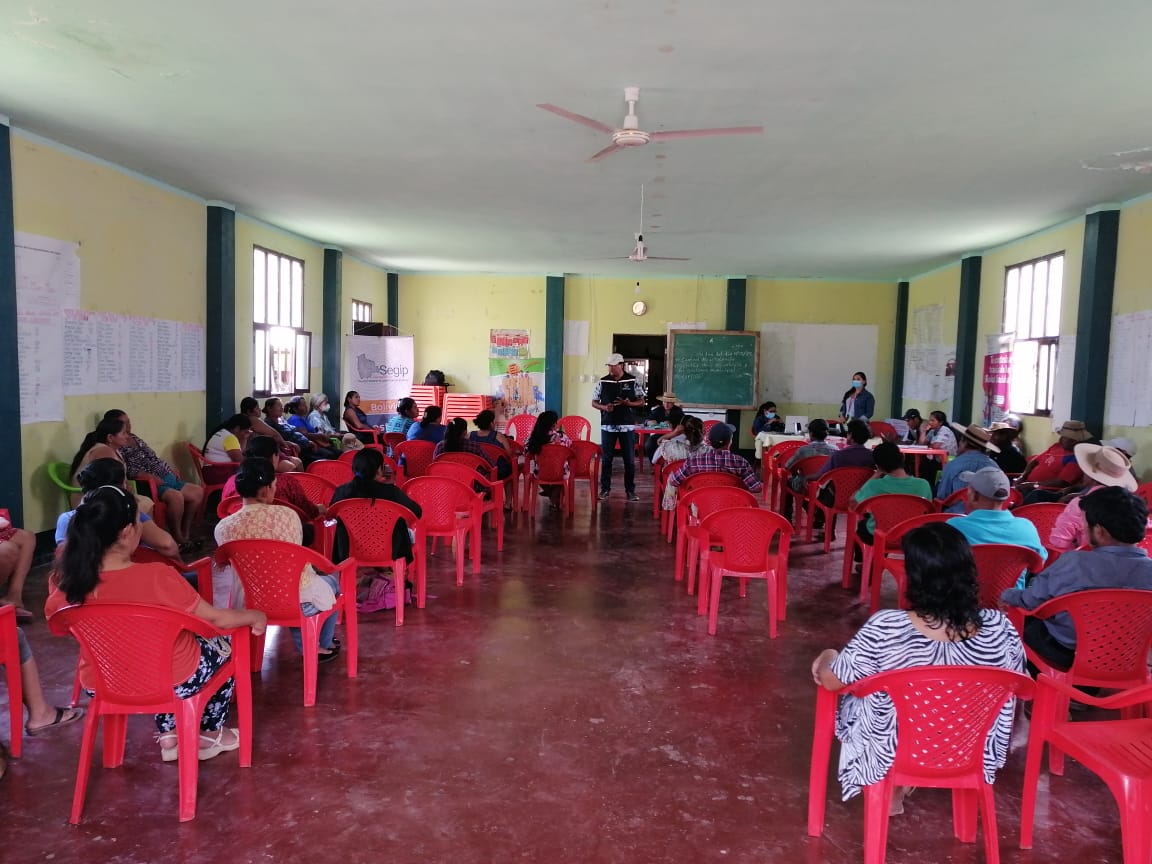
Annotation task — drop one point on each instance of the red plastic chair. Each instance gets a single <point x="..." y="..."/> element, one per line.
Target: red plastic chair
<point x="957" y="497"/>
<point x="708" y="424"/>
<point x="805" y="467"/>
<point x="333" y="470"/>
<point x="1113" y="638"/>
<point x="233" y="503"/>
<point x="703" y="480"/>
<point x="471" y="460"/>
<point x="1015" y="499"/>
<point x="772" y="470"/>
<point x="493" y="504"/>
<point x="450" y="509"/>
<point x="892" y="558"/>
<point x="944" y="714"/>
<point x="520" y="427"/>
<point x="349" y="455"/>
<point x="391" y="439"/>
<point x="998" y="568"/>
<point x="846" y="483"/>
<point x="884" y="430"/>
<point x="10" y="657"/>
<point x="1144" y="490"/>
<point x="887" y="511"/>
<point x="149" y="485"/>
<point x="216" y="472"/>
<point x="577" y="428"/>
<point x="270" y="572"/>
<point x="512" y="481"/>
<point x="745" y="537"/>
<point x="1044" y="517"/>
<point x="690" y="510"/>
<point x="585" y="465"/>
<point x="548" y="468"/>
<point x="317" y="489"/>
<point x="414" y="457"/>
<point x="663" y="470"/>
<point x="1115" y="750"/>
<point x="369" y="525"/>
<point x="128" y="647"/>
<point x="201" y="566"/>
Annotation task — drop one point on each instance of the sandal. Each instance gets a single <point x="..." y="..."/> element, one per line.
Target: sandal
<point x="23" y="615"/>
<point x="216" y="743"/>
<point x="64" y="716"/>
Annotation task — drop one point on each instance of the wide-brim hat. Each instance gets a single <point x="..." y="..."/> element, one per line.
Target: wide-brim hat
<point x="977" y="435"/>
<point x="1004" y="427"/>
<point x="667" y="397"/>
<point x="1105" y="465"/>
<point x="1075" y="430"/>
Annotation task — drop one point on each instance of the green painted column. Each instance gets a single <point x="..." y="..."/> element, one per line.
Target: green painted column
<point x="330" y="362"/>
<point x="11" y="466"/>
<point x="966" y="339"/>
<point x="394" y="302"/>
<point x="1094" y="317"/>
<point x="220" y="333"/>
<point x="735" y="310"/>
<point x="554" y="344"/>
<point x="898" y="349"/>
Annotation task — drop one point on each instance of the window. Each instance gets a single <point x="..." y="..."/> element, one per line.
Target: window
<point x="281" y="347"/>
<point x="361" y="312"/>
<point x="1032" y="292"/>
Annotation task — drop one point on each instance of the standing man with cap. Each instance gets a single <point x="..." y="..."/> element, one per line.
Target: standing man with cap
<point x="989" y="520"/>
<point x="615" y="396"/>
<point x="1049" y="474"/>
<point x="973" y="445"/>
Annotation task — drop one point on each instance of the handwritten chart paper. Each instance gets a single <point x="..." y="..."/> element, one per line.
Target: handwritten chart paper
<point x="47" y="279"/>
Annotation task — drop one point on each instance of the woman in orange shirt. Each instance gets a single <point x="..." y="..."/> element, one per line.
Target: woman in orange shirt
<point x="96" y="567"/>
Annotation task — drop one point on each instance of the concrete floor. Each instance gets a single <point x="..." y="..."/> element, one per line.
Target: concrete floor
<point x="565" y="705"/>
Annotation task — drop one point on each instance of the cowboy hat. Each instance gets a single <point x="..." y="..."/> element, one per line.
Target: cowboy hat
<point x="1105" y="465"/>
<point x="977" y="435"/>
<point x="1004" y="427"/>
<point x="1075" y="430"/>
<point x="668" y="397"/>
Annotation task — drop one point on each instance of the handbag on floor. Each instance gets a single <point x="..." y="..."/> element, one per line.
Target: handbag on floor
<point x="380" y="593"/>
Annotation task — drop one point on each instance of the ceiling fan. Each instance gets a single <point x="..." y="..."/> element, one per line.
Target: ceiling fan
<point x="640" y="250"/>
<point x="631" y="135"/>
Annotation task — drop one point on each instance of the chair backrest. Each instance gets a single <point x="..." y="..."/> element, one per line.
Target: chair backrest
<point x="1043" y="516"/>
<point x="270" y="572"/>
<point x="391" y="439"/>
<point x="585" y="459"/>
<point x="1113" y="634"/>
<point x="710" y="478"/>
<point x="747" y="535"/>
<point x="415" y="456"/>
<point x="550" y="462"/>
<point x="440" y="500"/>
<point x="494" y="451"/>
<point x="334" y="471"/>
<point x="148" y="555"/>
<point x="369" y="525"/>
<point x="889" y="510"/>
<point x="232" y="503"/>
<point x="58" y="474"/>
<point x="809" y="465"/>
<point x="894" y="535"/>
<point x="198" y="459"/>
<point x="317" y="489"/>
<point x="959" y="495"/>
<point x="468" y="460"/>
<point x="520" y="427"/>
<point x="1144" y="490"/>
<point x="998" y="567"/>
<point x="129" y="647"/>
<point x="708" y="424"/>
<point x="885" y="430"/>
<point x="459" y="471"/>
<point x="780" y="452"/>
<point x="666" y="469"/>
<point x="846" y="483"/>
<point x="1015" y="499"/>
<point x="709" y="499"/>
<point x="944" y="714"/>
<point x="1146" y="543"/>
<point x="577" y="428"/>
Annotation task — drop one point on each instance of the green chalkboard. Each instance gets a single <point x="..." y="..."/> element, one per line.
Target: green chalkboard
<point x="714" y="368"/>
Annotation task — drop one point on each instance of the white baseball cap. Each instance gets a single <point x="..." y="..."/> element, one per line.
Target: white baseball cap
<point x="614" y="360"/>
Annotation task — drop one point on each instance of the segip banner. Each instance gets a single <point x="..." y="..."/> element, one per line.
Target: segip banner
<point x="380" y="369"/>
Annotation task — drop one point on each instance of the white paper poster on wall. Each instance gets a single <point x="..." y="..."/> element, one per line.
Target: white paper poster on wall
<point x="814" y="363"/>
<point x="47" y="281"/>
<point x="1129" y="395"/>
<point x="576" y="338"/>
<point x="379" y="368"/>
<point x="1062" y="385"/>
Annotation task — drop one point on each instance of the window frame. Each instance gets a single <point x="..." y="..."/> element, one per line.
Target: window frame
<point x="285" y="299"/>
<point x="363" y="308"/>
<point x="1045" y="346"/>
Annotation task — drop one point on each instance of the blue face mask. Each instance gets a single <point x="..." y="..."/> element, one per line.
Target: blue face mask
<point x="857" y="384"/>
<point x="771" y="415"/>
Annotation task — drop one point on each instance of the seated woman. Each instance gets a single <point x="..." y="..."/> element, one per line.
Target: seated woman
<point x="368" y="482"/>
<point x="547" y="431"/>
<point x="297" y="412"/>
<point x="17" y="546"/>
<point x="309" y="451"/>
<point x="261" y="519"/>
<point x="289" y="452"/>
<point x="667" y="413"/>
<point x="429" y="428"/>
<point x="456" y="440"/>
<point x="767" y="422"/>
<point x="110" y="472"/>
<point x="96" y="567"/>
<point x="943" y="626"/>
<point x="680" y="445"/>
<point x="226" y="442"/>
<point x="355" y="420"/>
<point x="105" y="442"/>
<point x="318" y="420"/>
<point x="404" y="418"/>
<point x="182" y="499"/>
<point x="287" y="489"/>
<point x="486" y="424"/>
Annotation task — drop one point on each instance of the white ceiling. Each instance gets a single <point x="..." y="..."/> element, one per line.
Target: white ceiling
<point x="898" y="134"/>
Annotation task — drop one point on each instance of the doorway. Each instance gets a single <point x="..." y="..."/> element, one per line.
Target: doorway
<point x="645" y="357"/>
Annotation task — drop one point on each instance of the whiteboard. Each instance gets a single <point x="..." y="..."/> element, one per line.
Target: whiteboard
<point x="814" y="362"/>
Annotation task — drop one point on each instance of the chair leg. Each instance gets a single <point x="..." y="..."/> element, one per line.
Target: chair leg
<point x="87" y="745"/>
<point x="715" y="575"/>
<point x="772" y="606"/>
<point x="16" y="694"/>
<point x="850" y="542"/>
<point x="703" y="592"/>
<point x="988" y="815"/>
<point x="1135" y="825"/>
<point x="115" y="735"/>
<point x="964" y="814"/>
<point x="877" y="800"/>
<point x="310" y="639"/>
<point x="821" y="753"/>
<point x="692" y="553"/>
<point x="188" y="754"/>
<point x="352" y="628"/>
<point x="460" y="551"/>
<point x="256" y="648"/>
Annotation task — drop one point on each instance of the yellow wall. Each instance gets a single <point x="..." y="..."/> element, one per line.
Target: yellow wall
<point x="1067" y="238"/>
<point x="828" y="302"/>
<point x="450" y="316"/>
<point x="142" y="253"/>
<point x="1134" y="294"/>
<point x="938" y="288"/>
<point x="249" y="233"/>
<point x="368" y="284"/>
<point x="606" y="304"/>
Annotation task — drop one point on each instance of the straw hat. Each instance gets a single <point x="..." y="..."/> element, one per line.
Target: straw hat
<point x="351" y="442"/>
<point x="668" y="397"/>
<point x="1075" y="430"/>
<point x="1004" y="427"/>
<point x="977" y="435"/>
<point x="1105" y="465"/>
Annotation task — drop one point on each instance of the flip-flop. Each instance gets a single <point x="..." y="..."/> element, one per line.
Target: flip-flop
<point x="60" y="720"/>
<point x="23" y="614"/>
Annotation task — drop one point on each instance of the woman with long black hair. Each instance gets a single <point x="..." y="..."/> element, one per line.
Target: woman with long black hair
<point x="429" y="428"/>
<point x="858" y="403"/>
<point x="368" y="482"/>
<point x="547" y="431"/>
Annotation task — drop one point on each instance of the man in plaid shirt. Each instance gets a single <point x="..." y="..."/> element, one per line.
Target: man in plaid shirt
<point x="719" y="458"/>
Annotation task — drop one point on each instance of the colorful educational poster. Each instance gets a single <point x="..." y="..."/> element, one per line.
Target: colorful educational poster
<point x="379" y="368"/>
<point x="508" y="345"/>
<point x="518" y="385"/>
<point x="997" y="378"/>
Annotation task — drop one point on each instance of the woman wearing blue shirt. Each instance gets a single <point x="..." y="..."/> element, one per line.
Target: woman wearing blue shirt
<point x="858" y="403"/>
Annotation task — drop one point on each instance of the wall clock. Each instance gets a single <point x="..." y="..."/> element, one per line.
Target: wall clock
<point x="639" y="307"/>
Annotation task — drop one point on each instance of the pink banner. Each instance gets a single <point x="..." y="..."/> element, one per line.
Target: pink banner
<point x="997" y="371"/>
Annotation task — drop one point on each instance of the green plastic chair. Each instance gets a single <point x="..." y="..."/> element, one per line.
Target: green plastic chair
<point x="58" y="473"/>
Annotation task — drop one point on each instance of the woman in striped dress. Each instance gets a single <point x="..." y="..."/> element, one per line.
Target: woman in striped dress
<point x="943" y="626"/>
